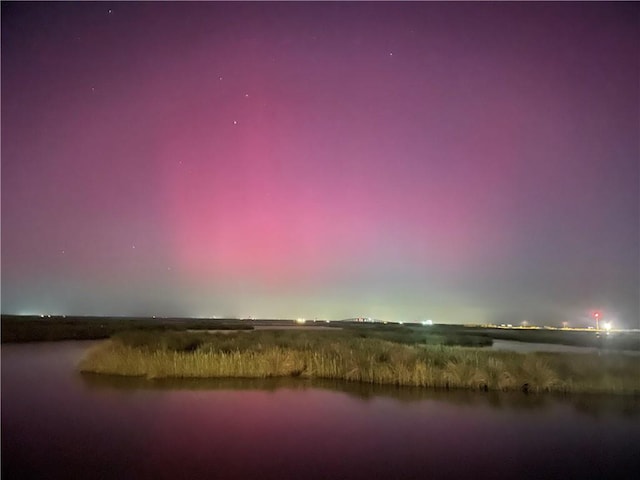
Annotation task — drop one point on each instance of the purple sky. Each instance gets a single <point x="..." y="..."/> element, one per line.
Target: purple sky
<point x="459" y="162"/>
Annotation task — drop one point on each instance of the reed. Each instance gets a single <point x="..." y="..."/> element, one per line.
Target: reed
<point x="343" y="356"/>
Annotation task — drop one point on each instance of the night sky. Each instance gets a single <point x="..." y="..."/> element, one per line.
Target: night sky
<point x="404" y="161"/>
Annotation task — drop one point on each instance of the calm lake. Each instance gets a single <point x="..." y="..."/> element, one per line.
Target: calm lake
<point x="59" y="424"/>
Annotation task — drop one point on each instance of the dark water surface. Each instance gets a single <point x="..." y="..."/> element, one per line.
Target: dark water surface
<point x="57" y="424"/>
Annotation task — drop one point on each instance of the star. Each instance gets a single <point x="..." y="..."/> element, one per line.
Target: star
<point x="235" y="122"/>
<point x="110" y="11"/>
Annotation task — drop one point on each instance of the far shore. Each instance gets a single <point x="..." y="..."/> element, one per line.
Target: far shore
<point x="37" y="329"/>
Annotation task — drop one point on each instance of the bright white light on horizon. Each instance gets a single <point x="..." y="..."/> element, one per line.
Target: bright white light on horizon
<point x="427" y="322"/>
<point x="607" y="326"/>
<point x="301" y="320"/>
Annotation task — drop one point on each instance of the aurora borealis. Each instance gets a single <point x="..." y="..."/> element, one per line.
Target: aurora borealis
<point x="456" y="161"/>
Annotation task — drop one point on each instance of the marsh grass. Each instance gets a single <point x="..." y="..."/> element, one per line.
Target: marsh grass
<point x="411" y="335"/>
<point x="36" y="329"/>
<point x="339" y="355"/>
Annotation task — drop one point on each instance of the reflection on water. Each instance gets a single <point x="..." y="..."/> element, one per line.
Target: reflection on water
<point x="57" y="423"/>
<point x="626" y="405"/>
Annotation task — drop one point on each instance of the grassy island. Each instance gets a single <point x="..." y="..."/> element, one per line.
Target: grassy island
<point x="346" y="355"/>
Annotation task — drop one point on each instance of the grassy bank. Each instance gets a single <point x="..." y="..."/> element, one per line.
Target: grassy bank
<point x="16" y="329"/>
<point x="36" y="329"/>
<point x="345" y="356"/>
<point x="413" y="335"/>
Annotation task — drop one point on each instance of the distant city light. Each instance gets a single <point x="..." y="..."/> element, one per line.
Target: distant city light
<point x="301" y="320"/>
<point x="607" y="326"/>
<point x="427" y="322"/>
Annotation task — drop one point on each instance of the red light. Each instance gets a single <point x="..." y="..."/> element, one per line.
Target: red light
<point x="596" y="314"/>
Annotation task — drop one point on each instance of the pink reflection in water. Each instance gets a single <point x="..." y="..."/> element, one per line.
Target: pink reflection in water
<point x="57" y="425"/>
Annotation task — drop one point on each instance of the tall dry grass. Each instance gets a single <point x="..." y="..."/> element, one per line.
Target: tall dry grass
<point x="339" y="355"/>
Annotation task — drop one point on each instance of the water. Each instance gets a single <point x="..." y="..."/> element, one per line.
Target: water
<point x="528" y="347"/>
<point x="59" y="424"/>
